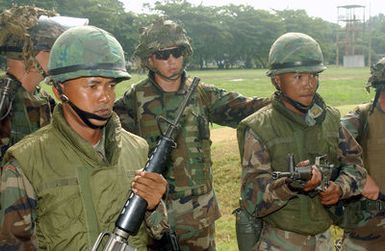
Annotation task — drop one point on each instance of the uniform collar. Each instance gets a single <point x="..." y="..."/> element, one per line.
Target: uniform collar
<point x="113" y="143"/>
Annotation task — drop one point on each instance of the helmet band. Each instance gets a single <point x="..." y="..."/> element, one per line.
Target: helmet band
<point x="295" y="64"/>
<point x="72" y="68"/>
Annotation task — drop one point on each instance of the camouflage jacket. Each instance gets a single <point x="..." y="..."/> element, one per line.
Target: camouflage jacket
<point x="29" y="194"/>
<point x="368" y="129"/>
<point x="22" y="112"/>
<point x="262" y="196"/>
<point x="190" y="198"/>
<point x="362" y="218"/>
<point x="356" y="121"/>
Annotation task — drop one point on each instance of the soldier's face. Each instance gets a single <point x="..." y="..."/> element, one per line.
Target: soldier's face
<point x="34" y="74"/>
<point x="300" y="87"/>
<point x="91" y="94"/>
<point x="168" y="61"/>
<point x="42" y="57"/>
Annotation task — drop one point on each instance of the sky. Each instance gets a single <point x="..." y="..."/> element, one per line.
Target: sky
<point x="325" y="9"/>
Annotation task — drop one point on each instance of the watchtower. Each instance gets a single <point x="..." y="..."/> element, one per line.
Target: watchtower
<point x="350" y="38"/>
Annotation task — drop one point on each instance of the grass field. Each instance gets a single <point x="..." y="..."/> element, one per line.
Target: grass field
<point x="339" y="86"/>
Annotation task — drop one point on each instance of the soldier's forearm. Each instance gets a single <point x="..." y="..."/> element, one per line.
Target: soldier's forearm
<point x="11" y="242"/>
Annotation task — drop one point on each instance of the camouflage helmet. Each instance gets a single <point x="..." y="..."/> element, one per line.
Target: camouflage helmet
<point x="377" y="75"/>
<point x="24" y="34"/>
<point x="162" y="34"/>
<point x="295" y="52"/>
<point x="44" y="34"/>
<point x="86" y="51"/>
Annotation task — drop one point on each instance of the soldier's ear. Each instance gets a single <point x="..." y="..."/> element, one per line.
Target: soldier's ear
<point x="276" y="80"/>
<point x="58" y="91"/>
<point x="150" y="61"/>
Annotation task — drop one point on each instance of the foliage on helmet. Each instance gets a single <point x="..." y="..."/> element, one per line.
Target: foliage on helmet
<point x="377" y="75"/>
<point x="162" y="34"/>
<point x="295" y="52"/>
<point x="23" y="35"/>
<point x="86" y="51"/>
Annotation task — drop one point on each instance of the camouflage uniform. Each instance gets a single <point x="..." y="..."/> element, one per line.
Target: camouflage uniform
<point x="28" y="113"/>
<point x="294" y="219"/>
<point x="261" y="196"/>
<point x="57" y="185"/>
<point x="25" y="209"/>
<point x="191" y="201"/>
<point x="22" y="37"/>
<point x="366" y="123"/>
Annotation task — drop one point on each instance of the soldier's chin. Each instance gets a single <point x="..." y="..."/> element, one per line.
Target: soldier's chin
<point x="99" y="122"/>
<point x="175" y="75"/>
<point x="306" y="100"/>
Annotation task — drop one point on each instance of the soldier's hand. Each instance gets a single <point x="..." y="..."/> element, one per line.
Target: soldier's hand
<point x="303" y="163"/>
<point x="371" y="189"/>
<point x="149" y="186"/>
<point x="331" y="195"/>
<point x="314" y="181"/>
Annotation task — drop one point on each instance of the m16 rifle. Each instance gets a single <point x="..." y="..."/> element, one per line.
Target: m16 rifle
<point x="300" y="175"/>
<point x="132" y="214"/>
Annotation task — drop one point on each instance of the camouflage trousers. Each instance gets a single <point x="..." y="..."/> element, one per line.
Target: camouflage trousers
<point x="371" y="236"/>
<point x="193" y="220"/>
<point x="197" y="239"/>
<point x="274" y="239"/>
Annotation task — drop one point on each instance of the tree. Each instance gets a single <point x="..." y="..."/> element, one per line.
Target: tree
<point x="377" y="29"/>
<point x="322" y="31"/>
<point x="253" y="31"/>
<point x="232" y="35"/>
<point x="209" y="36"/>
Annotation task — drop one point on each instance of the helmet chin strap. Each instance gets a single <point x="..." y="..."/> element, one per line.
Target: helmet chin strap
<point x="300" y="107"/>
<point x="172" y="77"/>
<point x="376" y="98"/>
<point x="83" y="115"/>
<point x="39" y="68"/>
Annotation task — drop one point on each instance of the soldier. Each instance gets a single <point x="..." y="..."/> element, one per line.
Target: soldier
<point x="164" y="49"/>
<point x="363" y="218"/>
<point x="26" y="42"/>
<point x="69" y="180"/>
<point x="297" y="122"/>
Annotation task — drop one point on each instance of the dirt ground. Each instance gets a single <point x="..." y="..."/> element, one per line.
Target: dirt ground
<point x="223" y="134"/>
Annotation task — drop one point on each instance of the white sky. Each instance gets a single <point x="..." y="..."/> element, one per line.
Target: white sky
<point x="325" y="9"/>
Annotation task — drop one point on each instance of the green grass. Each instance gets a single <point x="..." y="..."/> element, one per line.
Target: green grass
<point x="339" y="87"/>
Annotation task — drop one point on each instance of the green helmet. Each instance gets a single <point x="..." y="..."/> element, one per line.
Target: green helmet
<point x="162" y="34"/>
<point x="24" y="33"/>
<point x="86" y="51"/>
<point x="377" y="75"/>
<point x="295" y="52"/>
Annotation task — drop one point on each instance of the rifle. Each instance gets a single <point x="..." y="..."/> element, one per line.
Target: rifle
<point x="300" y="175"/>
<point x="132" y="214"/>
